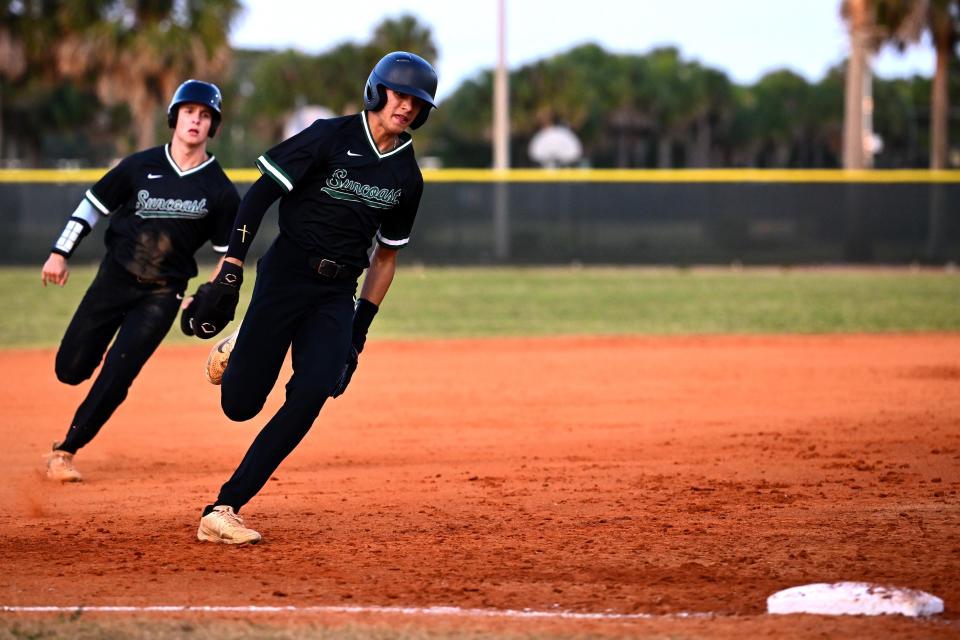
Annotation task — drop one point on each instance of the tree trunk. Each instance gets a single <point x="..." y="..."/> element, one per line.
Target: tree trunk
<point x="144" y="118"/>
<point x="640" y="151"/>
<point x="866" y="114"/>
<point x="698" y="143"/>
<point x="781" y="154"/>
<point x="853" y="95"/>
<point x="939" y="121"/>
<point x="940" y="107"/>
<point x="623" y="153"/>
<point x="664" y="152"/>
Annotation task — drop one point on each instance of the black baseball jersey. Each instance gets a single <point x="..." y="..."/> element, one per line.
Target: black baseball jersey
<point x="341" y="191"/>
<point x="160" y="215"/>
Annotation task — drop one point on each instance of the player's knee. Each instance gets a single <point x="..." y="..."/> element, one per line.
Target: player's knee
<point x="70" y="377"/>
<point x="70" y="373"/>
<point x="239" y="408"/>
<point x="239" y="413"/>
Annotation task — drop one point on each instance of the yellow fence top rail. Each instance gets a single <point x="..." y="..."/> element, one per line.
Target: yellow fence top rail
<point x="689" y="175"/>
<point x="89" y="176"/>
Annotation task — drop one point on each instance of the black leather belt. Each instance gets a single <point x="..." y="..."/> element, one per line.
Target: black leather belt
<point x="156" y="282"/>
<point x="331" y="270"/>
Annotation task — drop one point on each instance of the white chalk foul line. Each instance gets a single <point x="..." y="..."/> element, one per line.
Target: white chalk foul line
<point x="429" y="611"/>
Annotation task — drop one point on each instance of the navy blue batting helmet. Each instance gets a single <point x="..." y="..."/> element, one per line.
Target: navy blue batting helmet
<point x="198" y="92"/>
<point x="405" y="73"/>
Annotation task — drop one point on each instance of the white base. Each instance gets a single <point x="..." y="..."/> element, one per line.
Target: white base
<point x="854" y="598"/>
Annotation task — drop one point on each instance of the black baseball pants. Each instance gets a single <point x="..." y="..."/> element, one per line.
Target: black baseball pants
<point x="292" y="307"/>
<point x="139" y="315"/>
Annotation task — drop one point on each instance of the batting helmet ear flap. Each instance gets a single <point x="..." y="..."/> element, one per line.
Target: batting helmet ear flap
<point x="374" y="95"/>
<point x="421" y="117"/>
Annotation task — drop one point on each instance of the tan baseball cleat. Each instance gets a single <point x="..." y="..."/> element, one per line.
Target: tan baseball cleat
<point x="60" y="466"/>
<point x="224" y="526"/>
<point x="219" y="356"/>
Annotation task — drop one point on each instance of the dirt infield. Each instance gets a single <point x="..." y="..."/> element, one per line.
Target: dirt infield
<point x="613" y="476"/>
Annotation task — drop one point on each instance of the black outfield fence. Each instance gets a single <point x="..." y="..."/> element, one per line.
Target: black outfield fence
<point x="603" y="216"/>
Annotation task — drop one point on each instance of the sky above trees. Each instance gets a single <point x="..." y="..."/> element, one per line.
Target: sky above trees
<point x="745" y="38"/>
<point x="657" y="106"/>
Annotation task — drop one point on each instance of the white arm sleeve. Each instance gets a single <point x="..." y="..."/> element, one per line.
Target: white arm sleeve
<point x="86" y="211"/>
<point x="79" y="225"/>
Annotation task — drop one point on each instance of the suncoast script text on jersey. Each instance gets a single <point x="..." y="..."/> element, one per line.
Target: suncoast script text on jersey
<point x="339" y="181"/>
<point x="148" y="207"/>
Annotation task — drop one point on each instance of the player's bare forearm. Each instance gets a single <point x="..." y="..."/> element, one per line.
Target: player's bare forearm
<point x="383" y="266"/>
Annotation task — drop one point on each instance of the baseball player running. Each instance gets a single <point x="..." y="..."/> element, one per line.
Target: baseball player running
<point x="163" y="204"/>
<point x="341" y="182"/>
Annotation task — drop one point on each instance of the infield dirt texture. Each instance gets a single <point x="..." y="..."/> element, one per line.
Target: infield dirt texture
<point x="613" y="476"/>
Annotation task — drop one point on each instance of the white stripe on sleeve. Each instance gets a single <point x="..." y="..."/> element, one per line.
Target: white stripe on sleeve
<point x="96" y="202"/>
<point x="275" y="173"/>
<point x="391" y="243"/>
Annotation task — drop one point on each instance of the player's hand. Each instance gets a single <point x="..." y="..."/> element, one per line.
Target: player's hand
<point x="188" y="309"/>
<point x="215" y="303"/>
<point x="186" y="312"/>
<point x="55" y="270"/>
<point x="347" y="373"/>
<point x="363" y="315"/>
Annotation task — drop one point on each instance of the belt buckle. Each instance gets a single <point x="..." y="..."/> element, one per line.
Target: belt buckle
<point x="157" y="282"/>
<point x="328" y="268"/>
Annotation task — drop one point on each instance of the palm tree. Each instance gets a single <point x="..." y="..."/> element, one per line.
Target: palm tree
<point x="139" y="52"/>
<point x="906" y="21"/>
<point x="861" y="23"/>
<point x="404" y="34"/>
<point x="676" y="94"/>
<point x="26" y="29"/>
<point x="944" y="27"/>
<point x="13" y="62"/>
<point x="780" y="115"/>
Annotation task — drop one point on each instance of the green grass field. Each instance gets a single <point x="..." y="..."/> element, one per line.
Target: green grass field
<point x="427" y="302"/>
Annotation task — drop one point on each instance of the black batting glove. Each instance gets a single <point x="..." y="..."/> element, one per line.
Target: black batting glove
<point x="217" y="305"/>
<point x="353" y="359"/>
<point x="189" y="312"/>
<point x="363" y="315"/>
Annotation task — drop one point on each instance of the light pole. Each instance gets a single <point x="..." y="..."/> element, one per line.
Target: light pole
<point x="501" y="95"/>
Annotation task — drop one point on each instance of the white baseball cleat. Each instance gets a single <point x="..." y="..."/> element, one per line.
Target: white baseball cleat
<point x="60" y="466"/>
<point x="223" y="525"/>
<point x="219" y="357"/>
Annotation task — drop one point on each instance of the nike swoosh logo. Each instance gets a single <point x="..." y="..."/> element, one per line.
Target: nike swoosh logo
<point x="354" y="155"/>
<point x="154" y="176"/>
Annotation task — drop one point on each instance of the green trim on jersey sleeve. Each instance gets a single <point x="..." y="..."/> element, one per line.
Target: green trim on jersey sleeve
<point x="269" y="167"/>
